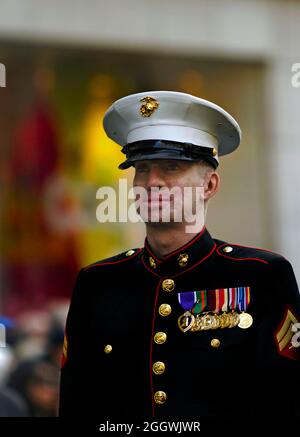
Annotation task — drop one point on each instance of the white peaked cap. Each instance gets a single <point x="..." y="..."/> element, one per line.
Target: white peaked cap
<point x="172" y="116"/>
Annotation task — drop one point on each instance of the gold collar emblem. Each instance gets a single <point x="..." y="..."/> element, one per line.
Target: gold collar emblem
<point x="152" y="262"/>
<point x="149" y="106"/>
<point x="183" y="259"/>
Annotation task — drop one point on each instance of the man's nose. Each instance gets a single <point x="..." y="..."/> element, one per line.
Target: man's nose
<point x="155" y="178"/>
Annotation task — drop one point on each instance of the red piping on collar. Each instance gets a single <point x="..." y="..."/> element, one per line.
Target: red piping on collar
<point x="181" y="273"/>
<point x="114" y="262"/>
<point x="151" y="253"/>
<point x="143" y="261"/>
<point x="240" y="259"/>
<point x="199" y="262"/>
<point x="193" y="240"/>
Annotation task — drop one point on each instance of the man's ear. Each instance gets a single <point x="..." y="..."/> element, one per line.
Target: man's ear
<point x="212" y="184"/>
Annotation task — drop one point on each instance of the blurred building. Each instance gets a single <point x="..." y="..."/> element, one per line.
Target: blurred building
<point x="67" y="61"/>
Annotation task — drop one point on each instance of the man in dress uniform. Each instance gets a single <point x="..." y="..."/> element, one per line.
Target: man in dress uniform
<point x="188" y="325"/>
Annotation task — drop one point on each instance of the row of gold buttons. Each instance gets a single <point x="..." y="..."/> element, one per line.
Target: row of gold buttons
<point x="159" y="367"/>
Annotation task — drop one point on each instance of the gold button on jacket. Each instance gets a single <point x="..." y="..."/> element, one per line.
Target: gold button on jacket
<point x="164" y="309"/>
<point x="158" y="368"/>
<point x="108" y="349"/>
<point x="227" y="249"/>
<point x="160" y="337"/>
<point x="160" y="397"/>
<point x="215" y="342"/>
<point x="168" y="285"/>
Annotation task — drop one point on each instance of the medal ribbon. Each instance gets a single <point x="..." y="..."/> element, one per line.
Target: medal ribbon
<point x="241" y="299"/>
<point x="187" y="300"/>
<point x="244" y="298"/>
<point x="201" y="302"/>
<point x="211" y="300"/>
<point x="234" y="300"/>
<point x="248" y="296"/>
<point x="229" y="298"/>
<point x="220" y="299"/>
<point x="225" y="304"/>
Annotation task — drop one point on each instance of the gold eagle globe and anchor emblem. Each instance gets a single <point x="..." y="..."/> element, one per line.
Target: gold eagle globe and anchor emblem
<point x="149" y="106"/>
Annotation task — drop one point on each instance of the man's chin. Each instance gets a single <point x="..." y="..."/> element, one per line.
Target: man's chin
<point x="163" y="225"/>
<point x="159" y="217"/>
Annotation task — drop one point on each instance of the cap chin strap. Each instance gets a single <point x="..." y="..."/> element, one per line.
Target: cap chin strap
<point x="159" y="149"/>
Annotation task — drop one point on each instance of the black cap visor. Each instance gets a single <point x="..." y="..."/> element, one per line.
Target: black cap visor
<point x="158" y="149"/>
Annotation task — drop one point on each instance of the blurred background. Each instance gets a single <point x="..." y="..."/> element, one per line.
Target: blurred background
<point x="65" y="63"/>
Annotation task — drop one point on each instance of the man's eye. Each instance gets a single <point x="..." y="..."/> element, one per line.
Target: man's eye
<point x="140" y="169"/>
<point x="172" y="166"/>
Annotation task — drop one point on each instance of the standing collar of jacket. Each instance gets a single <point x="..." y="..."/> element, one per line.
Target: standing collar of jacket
<point x="197" y="250"/>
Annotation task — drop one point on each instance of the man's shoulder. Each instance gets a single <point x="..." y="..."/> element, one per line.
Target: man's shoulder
<point x="238" y="252"/>
<point x="115" y="260"/>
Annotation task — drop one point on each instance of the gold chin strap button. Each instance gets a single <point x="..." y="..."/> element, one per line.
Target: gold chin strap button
<point x="130" y="252"/>
<point x="108" y="349"/>
<point x="215" y="342"/>
<point x="160" y="337"/>
<point x="158" y="368"/>
<point x="168" y="285"/>
<point x="160" y="397"/>
<point x="164" y="309"/>
<point x="214" y="152"/>
<point x="227" y="249"/>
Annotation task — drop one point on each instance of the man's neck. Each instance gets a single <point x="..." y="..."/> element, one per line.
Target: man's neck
<point x="164" y="240"/>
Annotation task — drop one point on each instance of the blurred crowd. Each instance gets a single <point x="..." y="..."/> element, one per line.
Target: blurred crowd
<point x="30" y="360"/>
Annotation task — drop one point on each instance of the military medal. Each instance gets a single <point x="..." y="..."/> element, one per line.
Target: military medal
<point x="187" y="301"/>
<point x="210" y="321"/>
<point x="224" y="320"/>
<point x="203" y="308"/>
<point x="233" y="316"/>
<point x="234" y="319"/>
<point x="246" y="319"/>
<point x="186" y="321"/>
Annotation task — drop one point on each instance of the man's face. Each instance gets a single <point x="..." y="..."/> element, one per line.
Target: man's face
<point x="171" y="189"/>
